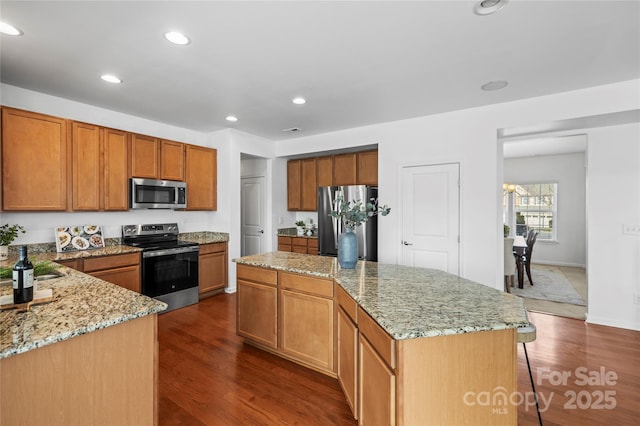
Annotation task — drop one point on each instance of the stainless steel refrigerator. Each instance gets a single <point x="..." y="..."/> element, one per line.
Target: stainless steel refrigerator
<point x="329" y="228"/>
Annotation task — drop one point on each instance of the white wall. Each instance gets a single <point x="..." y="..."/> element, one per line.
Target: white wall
<point x="469" y="137"/>
<point x="613" y="200"/>
<point x="569" y="172"/>
<point x="244" y="143"/>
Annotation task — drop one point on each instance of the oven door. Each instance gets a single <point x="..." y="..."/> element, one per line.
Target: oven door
<point x="170" y="270"/>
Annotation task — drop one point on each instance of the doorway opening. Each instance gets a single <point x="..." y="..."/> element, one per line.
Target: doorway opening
<point x="253" y="205"/>
<point x="544" y="194"/>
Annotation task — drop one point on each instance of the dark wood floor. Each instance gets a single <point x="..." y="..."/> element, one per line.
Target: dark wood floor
<point x="209" y="377"/>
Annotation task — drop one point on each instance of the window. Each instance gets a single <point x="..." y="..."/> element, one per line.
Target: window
<point x="535" y="208"/>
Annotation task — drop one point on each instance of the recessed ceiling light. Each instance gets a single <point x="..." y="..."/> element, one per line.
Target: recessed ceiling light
<point x="177" y="38"/>
<point x="494" y="85"/>
<point x="232" y="118"/>
<point x="9" y="29"/>
<point x="487" y="7"/>
<point x="110" y="78"/>
<point x="299" y="100"/>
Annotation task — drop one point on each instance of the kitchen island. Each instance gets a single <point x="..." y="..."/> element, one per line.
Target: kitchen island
<point x="408" y="345"/>
<point x="87" y="357"/>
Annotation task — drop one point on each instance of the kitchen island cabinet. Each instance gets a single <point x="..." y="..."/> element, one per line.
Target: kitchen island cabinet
<point x="306" y="320"/>
<point x="257" y="305"/>
<point x="426" y="340"/>
<point x="87" y="357"/>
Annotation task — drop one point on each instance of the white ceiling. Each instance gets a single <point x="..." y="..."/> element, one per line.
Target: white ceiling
<point x="357" y="63"/>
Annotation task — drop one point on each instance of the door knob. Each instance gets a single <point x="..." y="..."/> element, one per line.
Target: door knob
<point x="261" y="231"/>
<point x="406" y="243"/>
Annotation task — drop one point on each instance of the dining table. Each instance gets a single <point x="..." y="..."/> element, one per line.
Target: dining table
<point x="519" y="250"/>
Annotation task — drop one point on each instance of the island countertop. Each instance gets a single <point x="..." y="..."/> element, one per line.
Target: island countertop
<point x="409" y="302"/>
<point x="81" y="304"/>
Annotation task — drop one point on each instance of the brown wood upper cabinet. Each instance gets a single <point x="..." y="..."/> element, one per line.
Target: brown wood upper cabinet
<point x="171" y="160"/>
<point x="294" y="184"/>
<point x="145" y="162"/>
<point x="367" y="168"/>
<point x="201" y="175"/>
<point x="153" y="158"/>
<point x="116" y="169"/>
<point x="99" y="168"/>
<point x="306" y="175"/>
<point x="344" y="169"/>
<point x="86" y="166"/>
<point x="302" y="185"/>
<point x="325" y="171"/>
<point x="360" y="168"/>
<point x="35" y="161"/>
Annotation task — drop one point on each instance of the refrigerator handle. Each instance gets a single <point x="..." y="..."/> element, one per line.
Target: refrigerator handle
<point x="337" y="223"/>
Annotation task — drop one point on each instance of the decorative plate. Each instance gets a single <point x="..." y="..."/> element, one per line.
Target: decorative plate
<point x="78" y="238"/>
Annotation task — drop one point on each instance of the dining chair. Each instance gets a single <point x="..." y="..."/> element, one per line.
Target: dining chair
<point x="509" y="264"/>
<point x="526" y="258"/>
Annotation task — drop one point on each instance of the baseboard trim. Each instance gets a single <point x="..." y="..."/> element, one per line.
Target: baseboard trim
<point x="591" y="319"/>
<point x="552" y="263"/>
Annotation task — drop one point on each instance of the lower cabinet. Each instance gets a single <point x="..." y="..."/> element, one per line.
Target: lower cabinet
<point x="304" y="245"/>
<point x="347" y="359"/>
<point x="306" y="319"/>
<point x="377" y="387"/>
<point x="257" y="305"/>
<point x="212" y="268"/>
<point x="105" y="377"/>
<point x="417" y="381"/>
<point x="119" y="269"/>
<point x="288" y="314"/>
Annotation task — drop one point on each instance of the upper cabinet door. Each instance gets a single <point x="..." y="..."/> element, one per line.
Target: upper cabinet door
<point x="35" y="161"/>
<point x="202" y="178"/>
<point x="325" y="171"/>
<point x="308" y="185"/>
<point x="144" y="157"/>
<point x="368" y="168"/>
<point x="293" y="184"/>
<point x="344" y="169"/>
<point x="87" y="167"/>
<point x="116" y="170"/>
<point x="171" y="160"/>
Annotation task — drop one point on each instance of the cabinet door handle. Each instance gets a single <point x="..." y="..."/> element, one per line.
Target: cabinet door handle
<point x="406" y="243"/>
<point x="261" y="231"/>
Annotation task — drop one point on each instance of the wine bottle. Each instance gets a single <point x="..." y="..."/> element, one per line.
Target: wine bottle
<point x="23" y="278"/>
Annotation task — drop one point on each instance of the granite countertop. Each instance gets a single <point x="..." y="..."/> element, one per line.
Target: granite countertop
<point x="293" y="232"/>
<point x="113" y="246"/>
<point x="81" y="304"/>
<point x="205" y="237"/>
<point x="410" y="302"/>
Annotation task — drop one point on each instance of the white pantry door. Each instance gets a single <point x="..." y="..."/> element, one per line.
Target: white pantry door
<point x="253" y="206"/>
<point x="431" y="217"/>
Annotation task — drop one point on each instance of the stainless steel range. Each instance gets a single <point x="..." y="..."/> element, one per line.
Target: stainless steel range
<point x="169" y="266"/>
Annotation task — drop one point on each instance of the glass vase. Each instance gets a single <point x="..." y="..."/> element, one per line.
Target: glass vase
<point x="348" y="249"/>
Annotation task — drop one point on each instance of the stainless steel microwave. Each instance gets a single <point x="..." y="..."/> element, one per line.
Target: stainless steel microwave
<point x="157" y="194"/>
